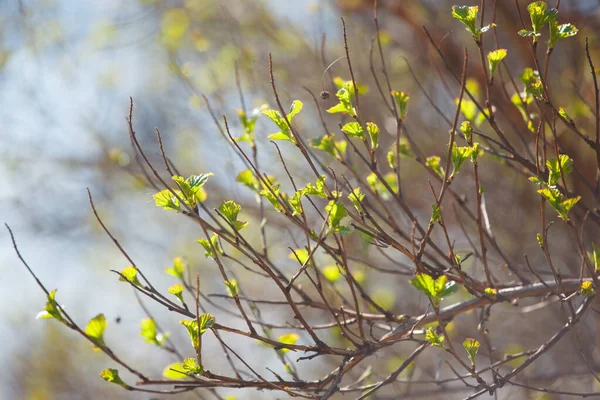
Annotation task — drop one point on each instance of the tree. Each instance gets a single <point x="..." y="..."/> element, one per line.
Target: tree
<point x="330" y="249"/>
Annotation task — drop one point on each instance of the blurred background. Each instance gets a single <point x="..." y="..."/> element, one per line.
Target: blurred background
<point x="67" y="70"/>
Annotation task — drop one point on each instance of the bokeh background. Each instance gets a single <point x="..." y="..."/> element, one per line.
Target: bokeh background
<point x="67" y="70"/>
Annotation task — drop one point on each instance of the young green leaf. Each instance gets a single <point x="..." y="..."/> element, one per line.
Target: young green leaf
<point x="558" y="202"/>
<point x="300" y="255"/>
<point x="191" y="188"/>
<point x="190" y="366"/>
<point x="494" y="59"/>
<point x="460" y="155"/>
<point x="315" y="190"/>
<point x="51" y="310"/>
<point x="434" y="339"/>
<point x="206" y="322"/>
<point x="95" y="330"/>
<point x="492" y="293"/>
<point x="587" y="289"/>
<point x="288" y="338"/>
<point x="559" y="32"/>
<point x="282" y="124"/>
<point x="230" y="210"/>
<point x="471" y="347"/>
<point x="555" y="165"/>
<point x="468" y="16"/>
<point x="373" y="130"/>
<point x="344" y="95"/>
<point x="174" y="371"/>
<point x="332" y="273"/>
<point x="435" y="289"/>
<point x="340" y="83"/>
<point x="209" y="245"/>
<point x="533" y="83"/>
<point x="336" y="212"/>
<point x="232" y="287"/>
<point x="149" y="331"/>
<point x="178" y="268"/>
<point x="167" y="200"/>
<point x="354" y="129"/>
<point x="356" y="197"/>
<point x="467" y="130"/>
<point x="112" y="375"/>
<point x="434" y="162"/>
<point x="540" y="15"/>
<point x="596" y="256"/>
<point x="177" y="291"/>
<point x="129" y="274"/>
<point x="336" y="149"/>
<point x="436" y="214"/>
<point x="247" y="179"/>
<point x="401" y="100"/>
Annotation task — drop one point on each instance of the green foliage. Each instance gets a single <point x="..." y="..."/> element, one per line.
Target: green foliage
<point x="230" y="210"/>
<point x="174" y="371"/>
<point x="149" y="331"/>
<point x="51" y="310"/>
<point x="533" y="83"/>
<point x="332" y="273"/>
<point x="434" y="339"/>
<point x="492" y="293"/>
<point x="271" y="192"/>
<point x="354" y="129"/>
<point x="472" y="348"/>
<point x="177" y="291"/>
<point x="373" y="134"/>
<point x="288" y="338"/>
<point x="315" y="190"/>
<point x="559" y="32"/>
<point x="192" y="188"/>
<point x="434" y="162"/>
<point x="247" y="178"/>
<point x="467" y="130"/>
<point x="232" y="287"/>
<point x="435" y="289"/>
<point x="112" y="375"/>
<point x="191" y="192"/>
<point x="587" y="289"/>
<point x="494" y="59"/>
<point x="248" y="123"/>
<point x="379" y="187"/>
<point x="210" y="245"/>
<point x="344" y="95"/>
<point x="336" y="212"/>
<point x="468" y="16"/>
<point x="190" y="366"/>
<point x="555" y="165"/>
<point x="196" y="330"/>
<point x="436" y="214"/>
<point x="129" y="274"/>
<point x="285" y="132"/>
<point x="178" y="268"/>
<point x="596" y="257"/>
<point x="340" y="83"/>
<point x="540" y="15"/>
<point x="95" y="331"/>
<point x="550" y="192"/>
<point x="462" y="154"/>
<point x="167" y="200"/>
<point x="401" y="100"/>
<point x="356" y="196"/>
<point x="335" y="148"/>
<point x="558" y="202"/>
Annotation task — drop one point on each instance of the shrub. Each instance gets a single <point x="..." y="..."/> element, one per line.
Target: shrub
<point x="355" y="236"/>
